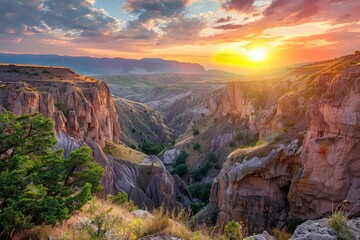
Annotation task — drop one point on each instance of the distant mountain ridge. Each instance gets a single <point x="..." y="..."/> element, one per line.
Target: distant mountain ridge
<point x="105" y="66"/>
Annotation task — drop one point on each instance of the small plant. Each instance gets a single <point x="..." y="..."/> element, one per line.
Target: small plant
<point x="280" y="234"/>
<point x="101" y="222"/>
<point x="62" y="107"/>
<point x="196" y="132"/>
<point x="260" y="143"/>
<point x="181" y="158"/>
<point x="338" y="222"/>
<point x="197" y="146"/>
<point x="121" y="199"/>
<point x="180" y="170"/>
<point x="199" y="173"/>
<point x="234" y="230"/>
<point x="212" y="157"/>
<point x="201" y="191"/>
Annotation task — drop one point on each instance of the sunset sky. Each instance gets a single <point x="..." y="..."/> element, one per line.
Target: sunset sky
<point x="219" y="34"/>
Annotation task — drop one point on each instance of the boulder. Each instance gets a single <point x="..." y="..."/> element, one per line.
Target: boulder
<point x="170" y="155"/>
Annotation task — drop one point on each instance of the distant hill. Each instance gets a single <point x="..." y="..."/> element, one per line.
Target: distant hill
<point x="105" y="66"/>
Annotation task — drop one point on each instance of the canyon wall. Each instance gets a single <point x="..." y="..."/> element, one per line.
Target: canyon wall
<point x="83" y="113"/>
<point x="310" y="167"/>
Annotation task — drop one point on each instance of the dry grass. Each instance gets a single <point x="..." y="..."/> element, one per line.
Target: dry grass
<point x="280" y="234"/>
<point x="121" y="151"/>
<point x="116" y="222"/>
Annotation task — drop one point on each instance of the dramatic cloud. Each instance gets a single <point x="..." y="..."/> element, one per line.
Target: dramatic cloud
<point x="29" y="17"/>
<point x="238" y="5"/>
<point x="223" y="19"/>
<point x="177" y="28"/>
<point x="154" y="8"/>
<point x="229" y="26"/>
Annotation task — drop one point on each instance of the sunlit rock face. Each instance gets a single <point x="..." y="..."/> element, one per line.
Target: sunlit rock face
<point x="79" y="106"/>
<point x="330" y="158"/>
<point x="84" y="114"/>
<point x="268" y="186"/>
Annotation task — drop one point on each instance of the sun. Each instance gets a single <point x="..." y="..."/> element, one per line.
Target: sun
<point x="257" y="54"/>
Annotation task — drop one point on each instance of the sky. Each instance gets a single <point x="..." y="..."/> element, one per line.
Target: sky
<point x="219" y="34"/>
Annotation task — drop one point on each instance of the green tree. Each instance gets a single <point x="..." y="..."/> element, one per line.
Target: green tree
<point x="180" y="170"/>
<point x="38" y="186"/>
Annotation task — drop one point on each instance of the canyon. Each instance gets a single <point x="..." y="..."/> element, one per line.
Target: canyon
<point x="287" y="142"/>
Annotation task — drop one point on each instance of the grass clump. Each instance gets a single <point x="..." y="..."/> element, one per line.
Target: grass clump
<point x="121" y="199"/>
<point x="280" y="234"/>
<point x="234" y="230"/>
<point x="338" y="222"/>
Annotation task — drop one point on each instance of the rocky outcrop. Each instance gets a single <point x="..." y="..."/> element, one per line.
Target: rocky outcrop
<point x="169" y="156"/>
<point x="254" y="191"/>
<point x="82" y="108"/>
<point x="83" y="113"/>
<point x="148" y="183"/>
<point x="263" y="236"/>
<point x="321" y="172"/>
<point x="320" y="230"/>
<point x="330" y="158"/>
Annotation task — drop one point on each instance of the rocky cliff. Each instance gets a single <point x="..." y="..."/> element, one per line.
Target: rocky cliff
<point x="80" y="107"/>
<point x="307" y="160"/>
<point x="83" y="112"/>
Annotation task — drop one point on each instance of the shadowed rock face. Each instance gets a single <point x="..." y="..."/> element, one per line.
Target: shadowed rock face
<point x="148" y="183"/>
<point x="255" y="190"/>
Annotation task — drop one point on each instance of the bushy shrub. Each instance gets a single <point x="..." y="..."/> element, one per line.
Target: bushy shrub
<point x="122" y="199"/>
<point x="197" y="146"/>
<point x="212" y="157"/>
<point x="201" y="191"/>
<point x="181" y="158"/>
<point x="196" y="132"/>
<point x="196" y="207"/>
<point x="234" y="230"/>
<point x="151" y="148"/>
<point x="180" y="170"/>
<point x="199" y="173"/>
<point x="338" y="222"/>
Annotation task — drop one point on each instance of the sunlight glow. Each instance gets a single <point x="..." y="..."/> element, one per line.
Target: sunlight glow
<point x="257" y="54"/>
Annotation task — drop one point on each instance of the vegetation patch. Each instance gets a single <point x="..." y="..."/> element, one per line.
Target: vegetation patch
<point x="338" y="222"/>
<point x="151" y="148"/>
<point x="39" y="186"/>
<point x="121" y="151"/>
<point x="196" y="132"/>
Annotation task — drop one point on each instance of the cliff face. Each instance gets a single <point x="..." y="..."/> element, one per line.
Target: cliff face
<point x="330" y="158"/>
<point x="312" y="162"/>
<point x="82" y="108"/>
<point x="83" y="113"/>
